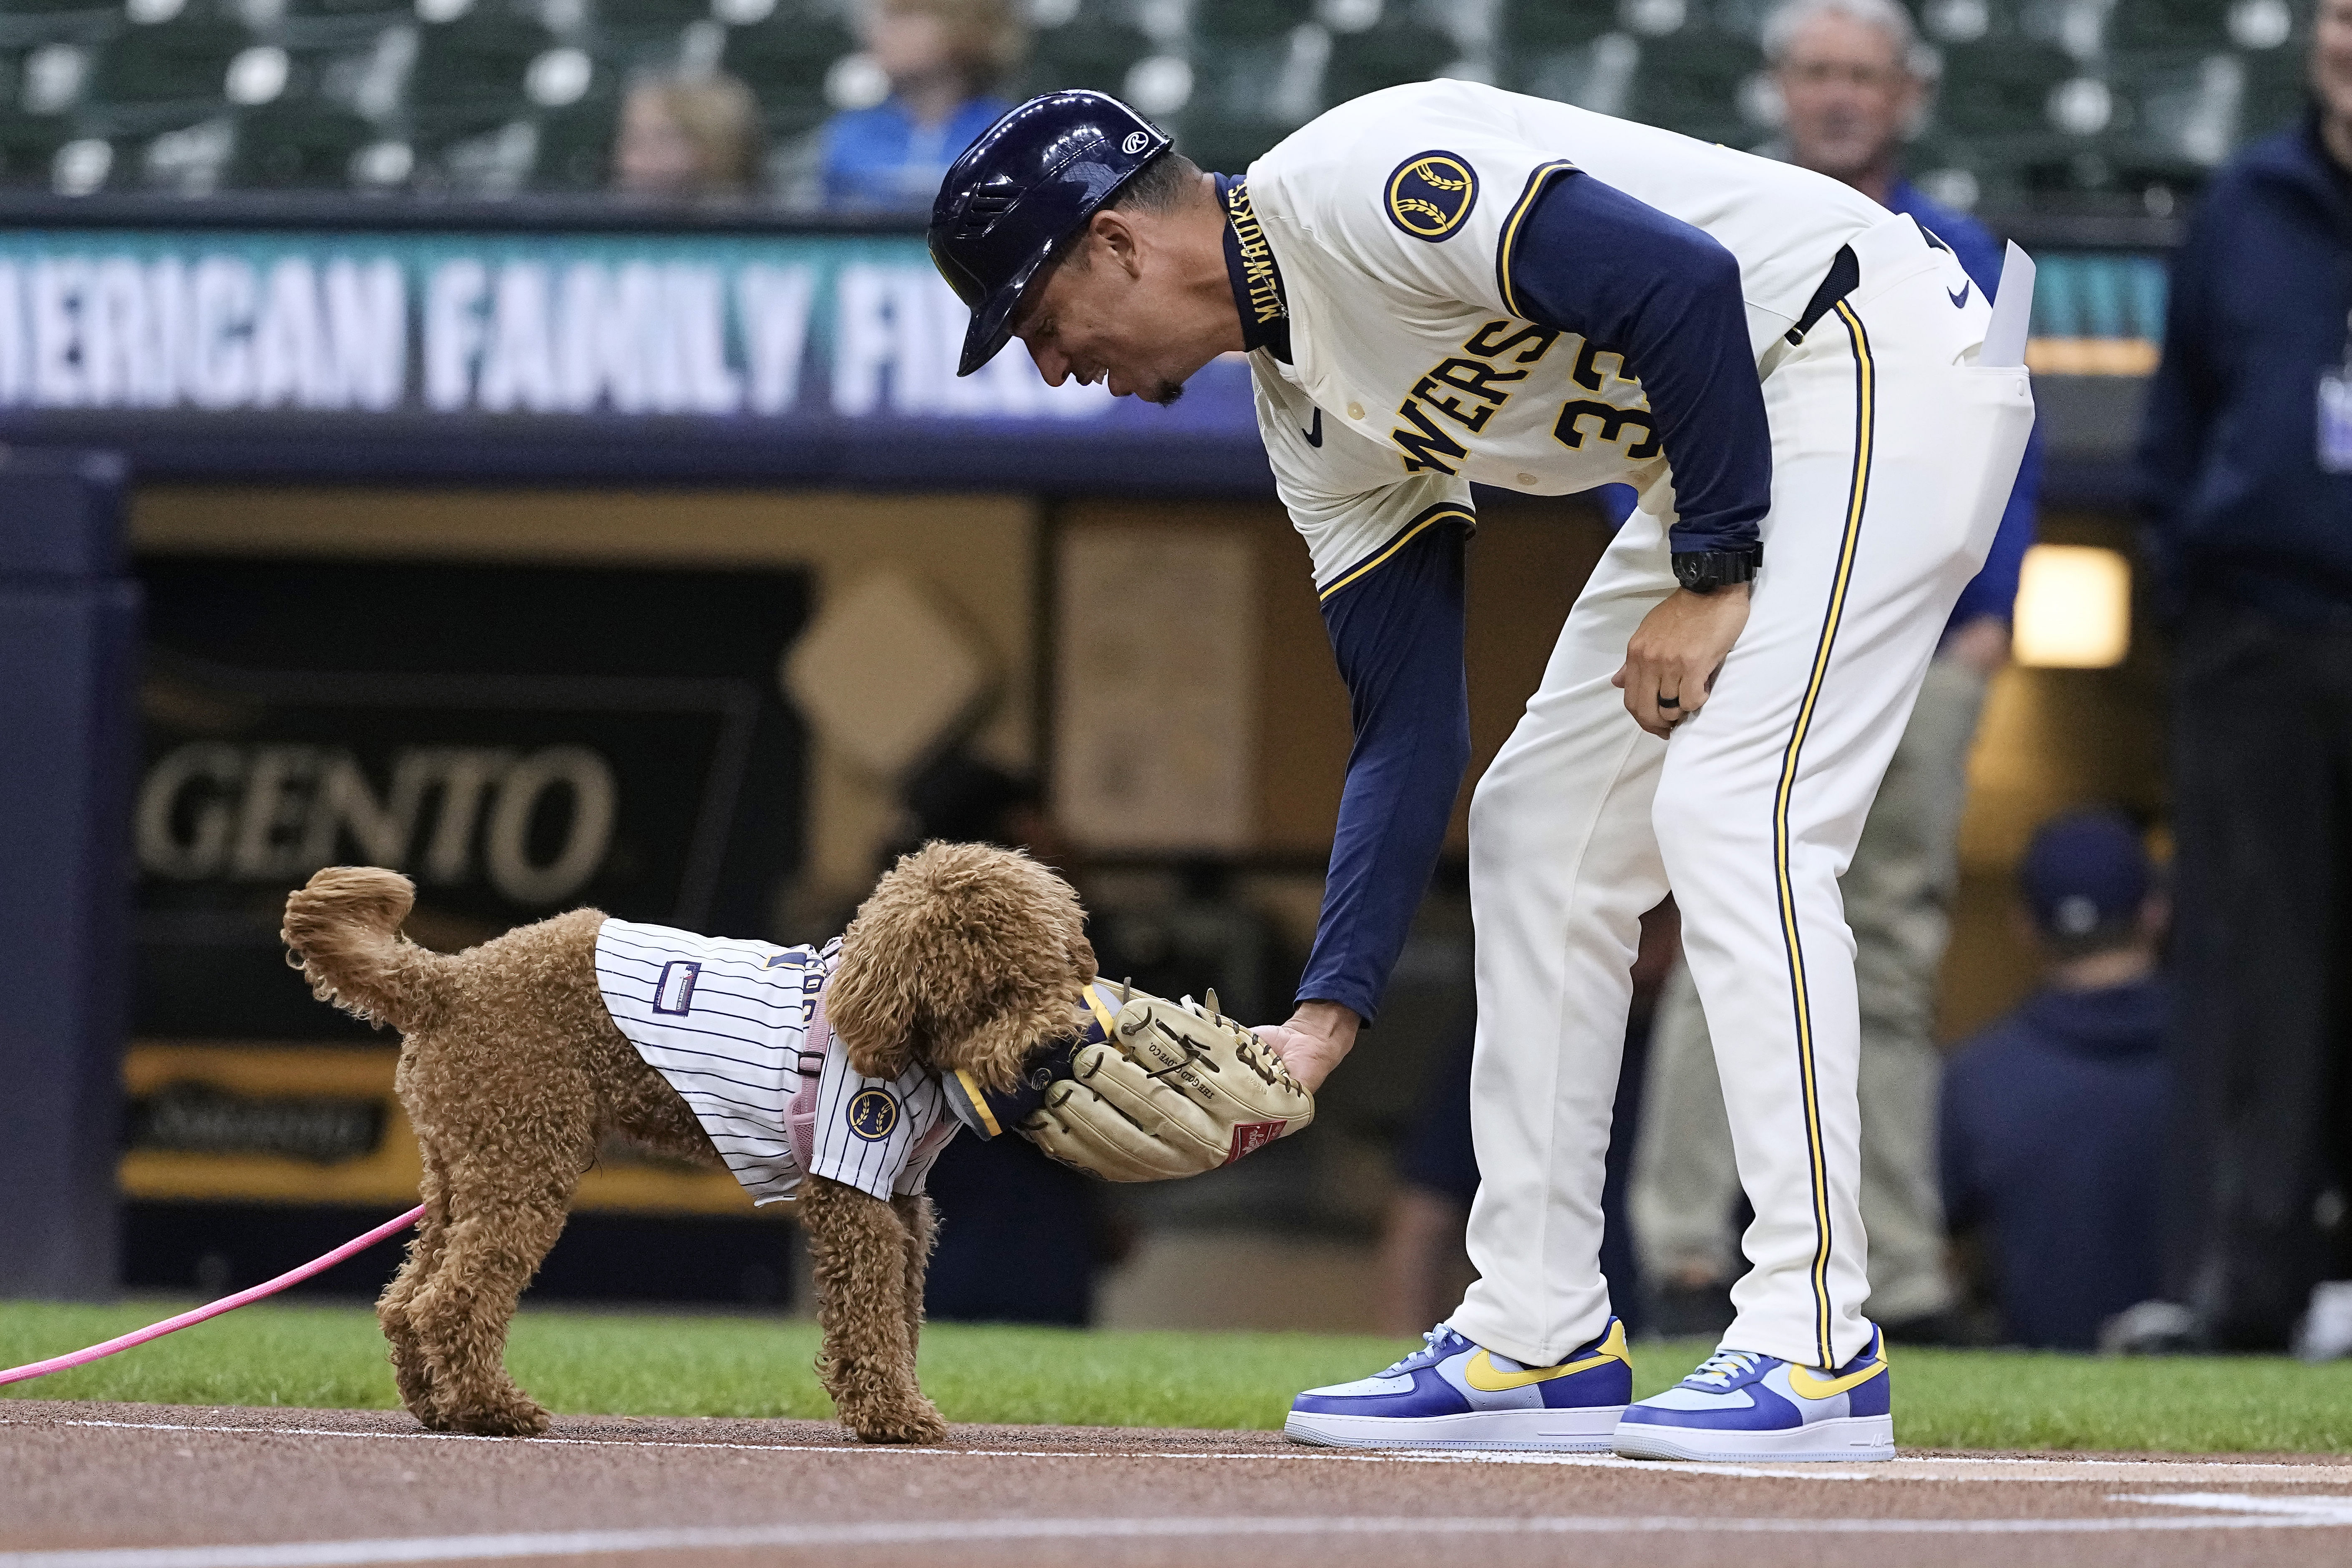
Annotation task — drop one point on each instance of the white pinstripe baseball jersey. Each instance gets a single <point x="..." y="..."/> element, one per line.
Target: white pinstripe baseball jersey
<point x="736" y="1027"/>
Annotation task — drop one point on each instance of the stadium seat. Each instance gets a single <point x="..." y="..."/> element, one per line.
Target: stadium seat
<point x="632" y="33"/>
<point x="1699" y="83"/>
<point x="475" y="65"/>
<point x="325" y="19"/>
<point x="490" y="156"/>
<point x="1532" y="28"/>
<point x="1233" y="114"/>
<point x="575" y="146"/>
<point x="47" y="21"/>
<point x="1258" y="75"/>
<point x="1398" y="50"/>
<point x="29" y="147"/>
<point x="1995" y="93"/>
<point x="297" y="146"/>
<point x="1552" y="48"/>
<point x="2168" y="23"/>
<point x="187" y="160"/>
<point x="2278" y="93"/>
<point x="621" y="15"/>
<point x="147" y="77"/>
<point x="2180" y="111"/>
<point x="1096" y="47"/>
<point x="1949" y="21"/>
<point x="1598" y="74"/>
<point x="783" y="59"/>
<point x="1218" y="22"/>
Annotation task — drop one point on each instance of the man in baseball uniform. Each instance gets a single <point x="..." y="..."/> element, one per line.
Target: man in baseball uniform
<point x="1442" y="283"/>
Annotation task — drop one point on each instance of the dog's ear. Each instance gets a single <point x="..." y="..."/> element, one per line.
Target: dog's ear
<point x="873" y="1005"/>
<point x="964" y="956"/>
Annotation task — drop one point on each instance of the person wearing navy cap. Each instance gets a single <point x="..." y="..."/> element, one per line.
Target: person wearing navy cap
<point x="1443" y="284"/>
<point x="2052" y="1120"/>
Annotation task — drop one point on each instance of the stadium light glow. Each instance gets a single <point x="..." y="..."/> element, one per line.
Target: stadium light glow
<point x="2074" y="607"/>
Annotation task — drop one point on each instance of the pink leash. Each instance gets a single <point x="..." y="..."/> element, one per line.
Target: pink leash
<point x="226" y="1304"/>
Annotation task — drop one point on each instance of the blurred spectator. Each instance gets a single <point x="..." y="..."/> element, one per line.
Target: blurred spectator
<point x="2246" y="466"/>
<point x="683" y="137"/>
<point x="1851" y="72"/>
<point x="1020" y="1236"/>
<point x="941" y="58"/>
<point x="2053" y="1117"/>
<point x="1423" y="1266"/>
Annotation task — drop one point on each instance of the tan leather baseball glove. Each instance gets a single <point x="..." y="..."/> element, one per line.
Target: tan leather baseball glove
<point x="1154" y="1090"/>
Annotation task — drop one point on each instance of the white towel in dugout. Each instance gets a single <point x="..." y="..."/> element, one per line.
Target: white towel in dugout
<point x="738" y="1028"/>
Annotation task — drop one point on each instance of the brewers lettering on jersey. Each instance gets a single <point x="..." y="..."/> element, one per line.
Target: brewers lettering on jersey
<point x="1443" y="285"/>
<point x="738" y="1029"/>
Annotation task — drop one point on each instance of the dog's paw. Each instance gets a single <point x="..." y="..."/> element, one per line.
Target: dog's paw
<point x="415" y="1381"/>
<point x="918" y="1422"/>
<point x="515" y="1419"/>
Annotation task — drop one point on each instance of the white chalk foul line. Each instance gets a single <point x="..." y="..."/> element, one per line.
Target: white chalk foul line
<point x="964" y="1533"/>
<point x="1966" y="1467"/>
<point x="2338" y="1508"/>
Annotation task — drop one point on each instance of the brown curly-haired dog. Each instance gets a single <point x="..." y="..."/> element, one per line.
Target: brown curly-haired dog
<point x="511" y="1070"/>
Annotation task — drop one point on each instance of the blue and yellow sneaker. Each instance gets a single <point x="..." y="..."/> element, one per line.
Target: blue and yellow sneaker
<point x="1452" y="1394"/>
<point x="1742" y="1405"/>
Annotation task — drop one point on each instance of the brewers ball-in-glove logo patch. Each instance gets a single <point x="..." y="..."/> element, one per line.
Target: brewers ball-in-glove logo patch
<point x="1431" y="195"/>
<point x="872" y="1112"/>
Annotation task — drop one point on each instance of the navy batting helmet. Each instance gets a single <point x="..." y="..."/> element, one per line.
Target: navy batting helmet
<point x="1018" y="195"/>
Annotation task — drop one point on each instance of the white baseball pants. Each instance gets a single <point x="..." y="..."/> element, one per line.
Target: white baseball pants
<point x="1893" y="456"/>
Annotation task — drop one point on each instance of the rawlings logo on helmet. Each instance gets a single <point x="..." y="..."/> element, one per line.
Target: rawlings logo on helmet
<point x="1136" y="141"/>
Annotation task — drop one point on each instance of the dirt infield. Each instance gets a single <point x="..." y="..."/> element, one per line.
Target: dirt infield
<point x="121" y="1485"/>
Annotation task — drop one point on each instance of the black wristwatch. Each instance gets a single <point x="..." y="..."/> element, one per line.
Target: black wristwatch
<point x="1705" y="571"/>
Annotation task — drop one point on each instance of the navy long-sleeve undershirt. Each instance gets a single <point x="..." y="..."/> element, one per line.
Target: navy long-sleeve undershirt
<point x="1665" y="295"/>
<point x="1397" y="633"/>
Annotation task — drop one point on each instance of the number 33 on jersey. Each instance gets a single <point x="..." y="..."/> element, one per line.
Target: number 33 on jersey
<point x="1398" y="225"/>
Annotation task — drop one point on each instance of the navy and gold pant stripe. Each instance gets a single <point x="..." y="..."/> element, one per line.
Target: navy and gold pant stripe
<point x="1443" y="511"/>
<point x="1865" y="391"/>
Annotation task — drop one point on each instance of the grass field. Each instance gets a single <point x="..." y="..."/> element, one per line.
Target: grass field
<point x="653" y="1364"/>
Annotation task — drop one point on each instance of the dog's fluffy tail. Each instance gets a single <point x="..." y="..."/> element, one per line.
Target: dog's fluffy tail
<point x="342" y="931"/>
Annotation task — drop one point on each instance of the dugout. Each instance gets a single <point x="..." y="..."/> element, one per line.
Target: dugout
<point x="560" y="553"/>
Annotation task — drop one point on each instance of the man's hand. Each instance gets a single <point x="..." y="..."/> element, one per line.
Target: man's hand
<point x="1317" y="1035"/>
<point x="1674" y="654"/>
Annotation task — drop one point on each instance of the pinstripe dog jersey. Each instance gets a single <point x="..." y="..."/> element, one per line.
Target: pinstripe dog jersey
<point x="738" y="1028"/>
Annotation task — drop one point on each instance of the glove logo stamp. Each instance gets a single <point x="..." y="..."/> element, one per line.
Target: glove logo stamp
<point x="1429" y="194"/>
<point x="1249" y="1136"/>
<point x="871" y="1113"/>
